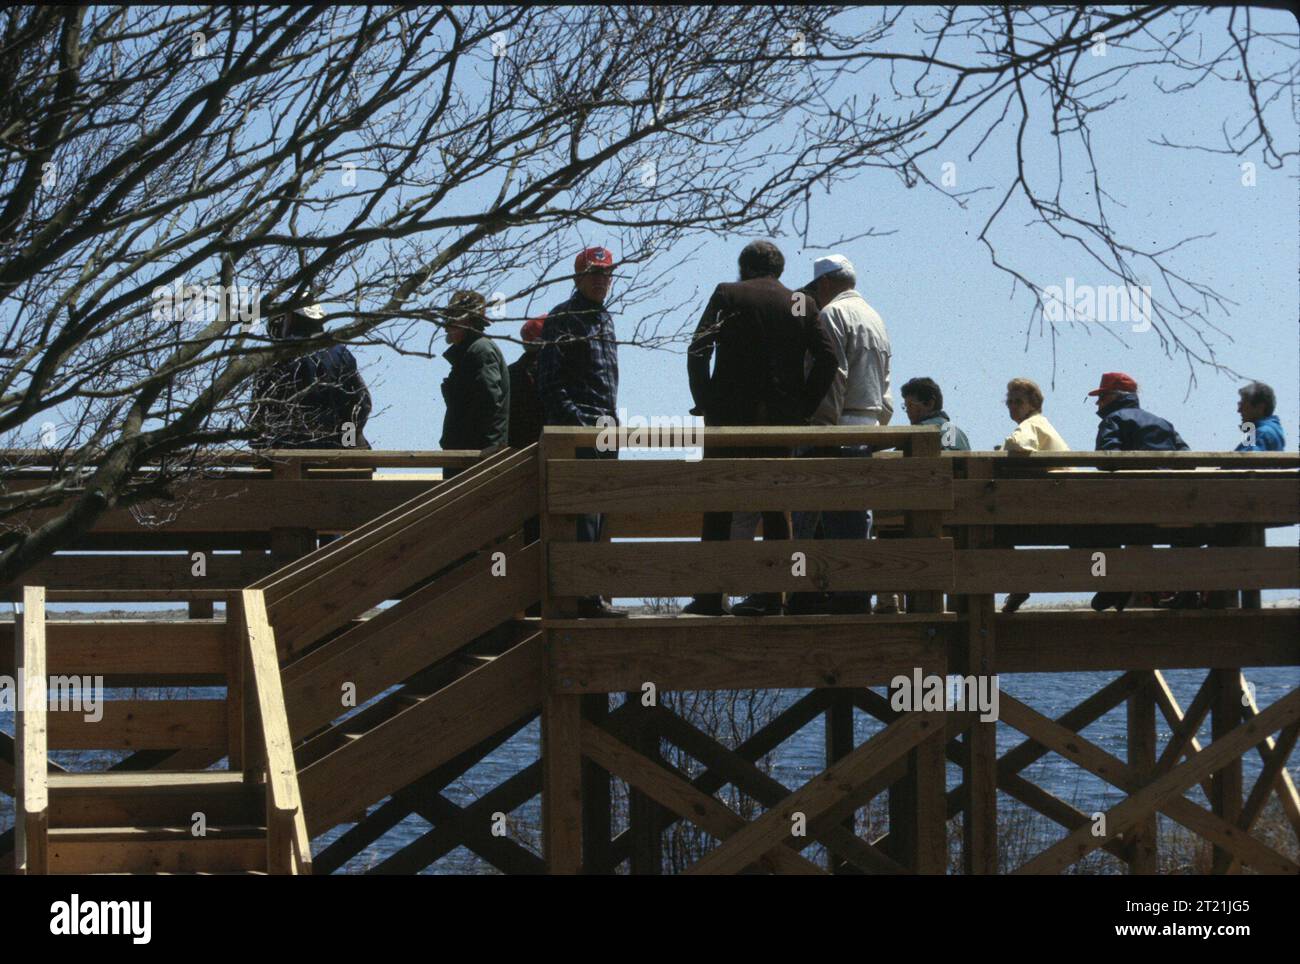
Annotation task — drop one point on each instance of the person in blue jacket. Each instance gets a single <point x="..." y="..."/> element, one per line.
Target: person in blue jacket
<point x="1262" y="429"/>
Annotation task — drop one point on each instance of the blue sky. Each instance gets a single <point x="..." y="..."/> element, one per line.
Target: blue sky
<point x="952" y="316"/>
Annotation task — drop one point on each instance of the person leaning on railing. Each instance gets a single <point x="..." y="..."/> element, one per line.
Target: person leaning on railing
<point x="761" y="332"/>
<point x="1034" y="433"/>
<point x="859" y="395"/>
<point x="577" y="375"/>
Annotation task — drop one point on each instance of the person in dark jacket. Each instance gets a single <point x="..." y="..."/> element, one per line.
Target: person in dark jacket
<point x="1127" y="427"/>
<point x="525" y="402"/>
<point x="477" y="389"/>
<point x="315" y="401"/>
<point x="577" y="375"/>
<point x="761" y="332"/>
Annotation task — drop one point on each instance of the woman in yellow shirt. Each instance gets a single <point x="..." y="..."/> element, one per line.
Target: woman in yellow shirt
<point x="1034" y="433"/>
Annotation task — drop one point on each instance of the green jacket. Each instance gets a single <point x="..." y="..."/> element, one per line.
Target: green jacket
<point x="477" y="393"/>
<point x="951" y="433"/>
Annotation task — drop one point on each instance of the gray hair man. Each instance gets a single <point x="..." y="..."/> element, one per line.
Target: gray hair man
<point x="859" y="395"/>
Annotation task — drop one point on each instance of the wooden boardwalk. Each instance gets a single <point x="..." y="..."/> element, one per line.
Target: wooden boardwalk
<point x="451" y="667"/>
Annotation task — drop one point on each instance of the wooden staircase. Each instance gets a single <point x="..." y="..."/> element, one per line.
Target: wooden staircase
<point x="247" y="819"/>
<point x="447" y="666"/>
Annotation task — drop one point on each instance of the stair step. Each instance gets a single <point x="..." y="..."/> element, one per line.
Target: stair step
<point x="153" y="850"/>
<point x="154" y="798"/>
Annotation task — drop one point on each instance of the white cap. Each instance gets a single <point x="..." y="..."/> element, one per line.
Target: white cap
<point x="832" y="262"/>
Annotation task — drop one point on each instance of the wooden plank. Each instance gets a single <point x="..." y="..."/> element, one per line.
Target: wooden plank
<point x="682" y="569"/>
<point x="676" y="794"/>
<point x="1110" y="499"/>
<point x="1081" y="640"/>
<point x="264" y="673"/>
<point x="132" y="647"/>
<point x="740" y="653"/>
<point x="31" y="739"/>
<point x="142" y="725"/>
<point x="149" y="851"/>
<point x="1164" y="793"/>
<point x="126" y="572"/>
<point x="819" y="794"/>
<point x="1033" y="461"/>
<point x="1226" y="783"/>
<point x="399" y="751"/>
<point x="353" y="458"/>
<point x="1286" y="789"/>
<point x="1143" y="839"/>
<point x="244" y="505"/>
<point x="423" y="628"/>
<point x="1140" y="569"/>
<point x="660" y="485"/>
<point x="562" y="823"/>
<point x="366" y="537"/>
<point x="328" y="601"/>
<point x="763" y="436"/>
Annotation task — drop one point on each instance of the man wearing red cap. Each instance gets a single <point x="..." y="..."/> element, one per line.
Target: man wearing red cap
<point x="1126" y="427"/>
<point x="577" y="374"/>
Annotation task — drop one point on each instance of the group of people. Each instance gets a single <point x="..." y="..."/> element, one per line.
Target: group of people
<point x="762" y="354"/>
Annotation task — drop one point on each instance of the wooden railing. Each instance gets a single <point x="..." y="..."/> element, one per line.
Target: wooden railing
<point x="288" y="845"/>
<point x="961" y="524"/>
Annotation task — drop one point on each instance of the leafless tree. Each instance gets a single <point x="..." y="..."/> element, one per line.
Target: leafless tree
<point x="371" y="159"/>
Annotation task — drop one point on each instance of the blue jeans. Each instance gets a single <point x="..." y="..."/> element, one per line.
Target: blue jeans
<point x="836" y="524"/>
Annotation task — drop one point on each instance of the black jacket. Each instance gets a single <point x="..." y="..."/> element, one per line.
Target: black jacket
<point x="477" y="393"/>
<point x="307" y="402"/>
<point x="525" y="402"/>
<point x="761" y="342"/>
<point x="577" y="365"/>
<point x="1125" y="427"/>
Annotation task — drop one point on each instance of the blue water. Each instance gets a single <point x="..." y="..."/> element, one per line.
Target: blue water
<point x="801" y="757"/>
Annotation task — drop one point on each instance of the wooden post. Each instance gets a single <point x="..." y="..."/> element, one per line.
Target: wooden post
<point x="236" y="681"/>
<point x="31" y="738"/>
<point x="199" y="608"/>
<point x="562" y="783"/>
<point x="289" y="544"/>
<point x="597" y="825"/>
<point x="980" y="815"/>
<point x="1142" y="839"/>
<point x="1226" y="708"/>
<point x="921" y="808"/>
<point x="643" y="813"/>
<point x="839" y="744"/>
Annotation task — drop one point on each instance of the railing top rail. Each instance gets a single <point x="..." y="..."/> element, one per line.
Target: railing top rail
<point x="330" y="458"/>
<point x="669" y="433"/>
<point x="1138" y="460"/>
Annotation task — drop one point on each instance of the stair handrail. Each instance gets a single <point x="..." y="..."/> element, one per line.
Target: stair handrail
<point x="288" y="845"/>
<point x="31" y="738"/>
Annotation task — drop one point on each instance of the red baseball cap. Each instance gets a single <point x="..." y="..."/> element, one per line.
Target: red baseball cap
<point x="593" y="258"/>
<point x="532" y="330"/>
<point x="1115" y="382"/>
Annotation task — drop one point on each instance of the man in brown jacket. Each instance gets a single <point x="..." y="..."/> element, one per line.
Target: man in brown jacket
<point x="762" y="332"/>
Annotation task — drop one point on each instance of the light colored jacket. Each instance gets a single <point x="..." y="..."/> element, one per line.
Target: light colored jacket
<point x="1035" y="434"/>
<point x="860" y="392"/>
